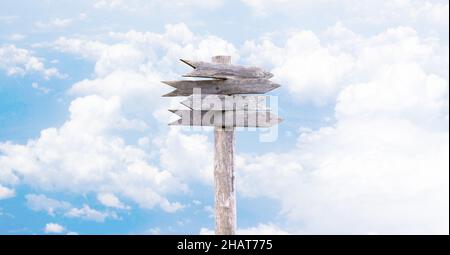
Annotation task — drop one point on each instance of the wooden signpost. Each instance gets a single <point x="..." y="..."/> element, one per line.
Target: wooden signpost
<point x="221" y="86"/>
<point x="225" y="103"/>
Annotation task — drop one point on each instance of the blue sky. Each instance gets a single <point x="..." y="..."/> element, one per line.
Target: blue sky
<point x="84" y="142"/>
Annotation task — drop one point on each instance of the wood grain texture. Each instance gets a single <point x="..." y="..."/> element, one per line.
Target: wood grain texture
<point x="223" y="102"/>
<point x="221" y="87"/>
<point x="224" y="71"/>
<point x="224" y="182"/>
<point x="220" y="118"/>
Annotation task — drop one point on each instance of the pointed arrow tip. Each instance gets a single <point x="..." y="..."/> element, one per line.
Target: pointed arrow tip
<point x="175" y="123"/>
<point x="171" y="94"/>
<point x="189" y="63"/>
<point x="170" y="83"/>
<point x="191" y="74"/>
<point x="177" y="112"/>
<point x="187" y="102"/>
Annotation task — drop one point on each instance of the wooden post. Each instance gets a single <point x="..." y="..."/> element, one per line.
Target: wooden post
<point x="226" y="80"/>
<point x="225" y="192"/>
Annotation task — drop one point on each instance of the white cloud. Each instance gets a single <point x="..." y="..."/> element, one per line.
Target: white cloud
<point x="53" y="228"/>
<point x="110" y="200"/>
<point x="309" y="70"/>
<point x="434" y="13"/>
<point x="178" y="148"/>
<point x="17" y="61"/>
<point x="8" y="19"/>
<point x="140" y="5"/>
<point x="133" y="88"/>
<point x="266" y="7"/>
<point x="43" y="203"/>
<point x="312" y="71"/>
<point x="154" y="231"/>
<point x="87" y="213"/>
<point x="383" y="166"/>
<point x="366" y="12"/>
<point x="206" y="231"/>
<point x="144" y="141"/>
<point x="84" y="156"/>
<point x="410" y="94"/>
<point x="86" y="153"/>
<point x="133" y="68"/>
<point x="210" y="211"/>
<point x="110" y="4"/>
<point x="317" y="68"/>
<point x="16" y="37"/>
<point x="36" y="86"/>
<point x="137" y="81"/>
<point x="55" y="207"/>
<point x="60" y="23"/>
<point x="362" y="176"/>
<point x="157" y="50"/>
<point x="84" y="48"/>
<point x="6" y="192"/>
<point x="54" y="23"/>
<point x="400" y="45"/>
<point x="260" y="229"/>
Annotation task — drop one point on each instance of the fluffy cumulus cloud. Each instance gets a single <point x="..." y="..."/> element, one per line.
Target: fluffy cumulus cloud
<point x="110" y="200"/>
<point x="85" y="156"/>
<point x="383" y="166"/>
<point x="316" y="68"/>
<point x="133" y="67"/>
<point x="368" y="12"/>
<point x="56" y="207"/>
<point x="54" y="23"/>
<point x="18" y="61"/>
<point x="87" y="213"/>
<point x="85" y="48"/>
<point x="431" y="12"/>
<point x="53" y="228"/>
<point x="139" y="5"/>
<point x="187" y="148"/>
<point x="89" y="153"/>
<point x="176" y="42"/>
<point x="43" y="203"/>
<point x="6" y="192"/>
<point x="310" y="70"/>
<point x="361" y="176"/>
<point x="267" y="7"/>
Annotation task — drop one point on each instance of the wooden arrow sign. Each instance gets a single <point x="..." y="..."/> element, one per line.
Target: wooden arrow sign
<point x="221" y="87"/>
<point x="222" y="102"/>
<point x="226" y="118"/>
<point x="221" y="71"/>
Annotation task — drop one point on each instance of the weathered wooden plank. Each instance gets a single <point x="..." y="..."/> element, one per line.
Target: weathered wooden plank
<point x="224" y="181"/>
<point x="222" y="87"/>
<point x="226" y="118"/>
<point x="223" y="102"/>
<point x="224" y="71"/>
